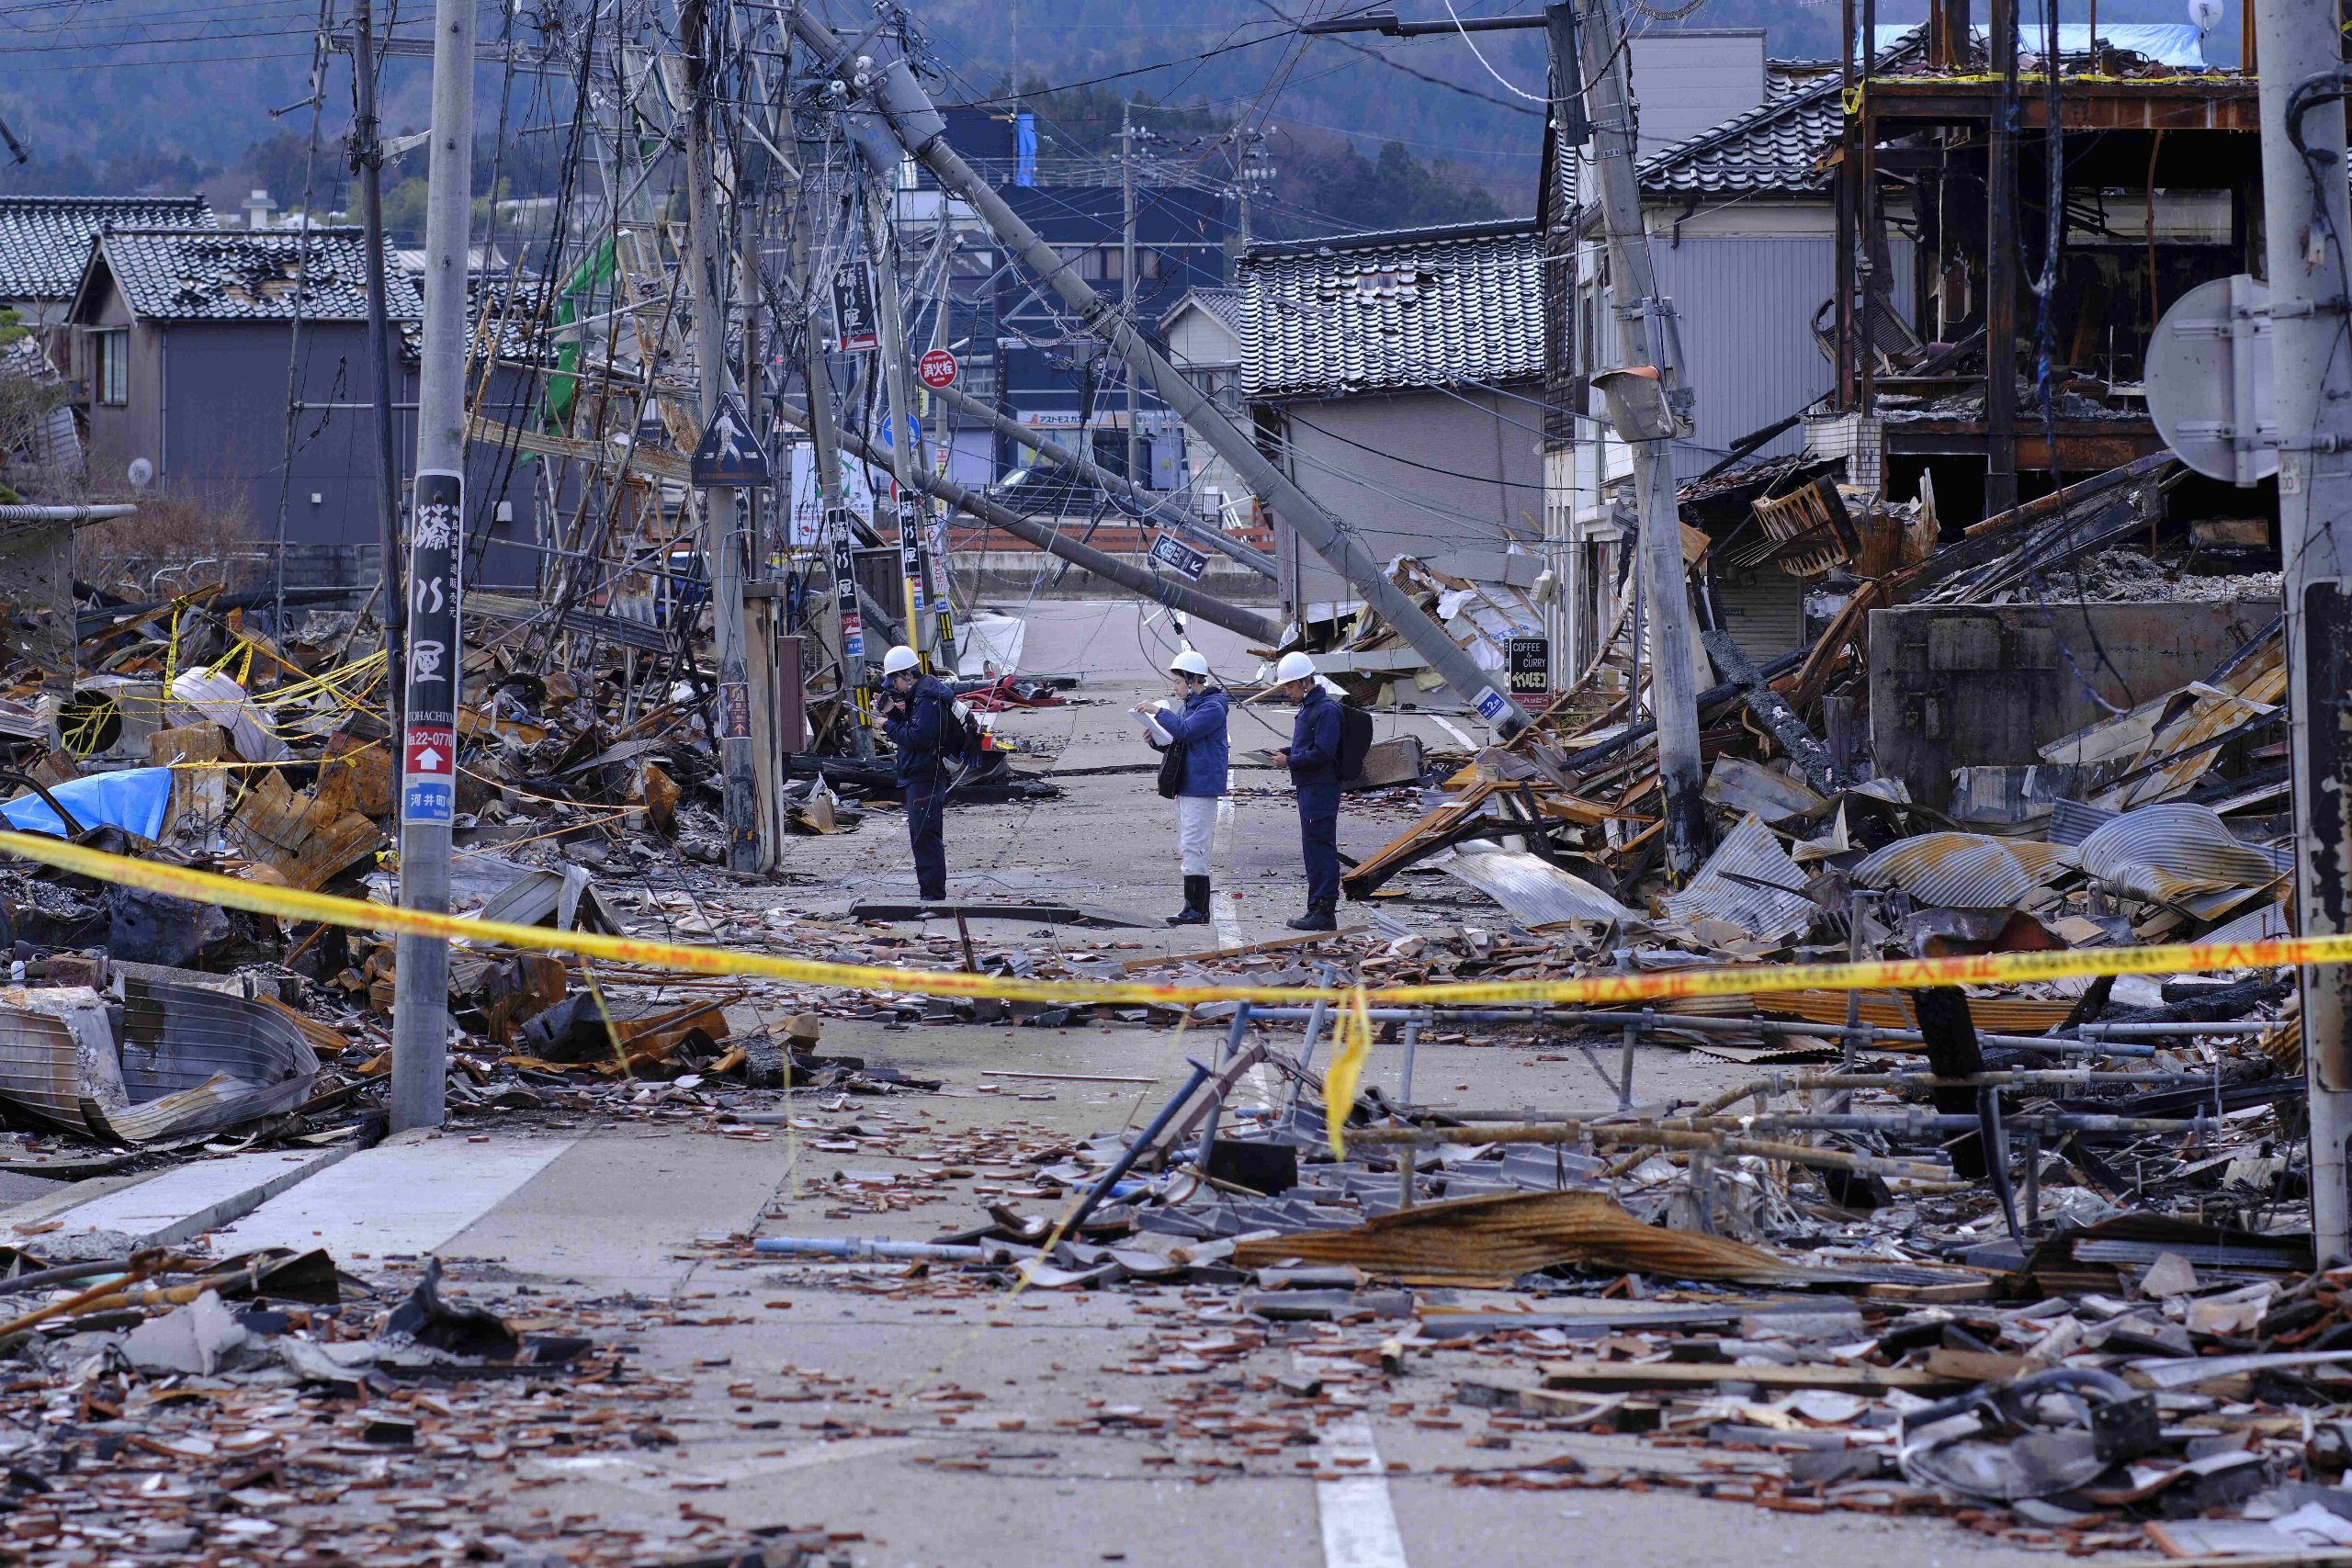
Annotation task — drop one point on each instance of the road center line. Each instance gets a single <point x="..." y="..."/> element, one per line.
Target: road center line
<point x="1358" y="1516"/>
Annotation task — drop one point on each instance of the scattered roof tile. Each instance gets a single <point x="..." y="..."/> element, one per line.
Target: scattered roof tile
<point x="180" y="274"/>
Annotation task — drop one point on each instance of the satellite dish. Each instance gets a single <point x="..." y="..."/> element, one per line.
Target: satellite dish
<point x="2205" y="15"/>
<point x="2209" y="380"/>
<point x="142" y="472"/>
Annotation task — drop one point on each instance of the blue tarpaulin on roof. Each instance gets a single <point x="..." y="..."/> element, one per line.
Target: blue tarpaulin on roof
<point x="2167" y="43"/>
<point x="133" y="800"/>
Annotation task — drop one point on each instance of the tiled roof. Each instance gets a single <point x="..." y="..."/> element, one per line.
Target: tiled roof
<point x="1379" y="312"/>
<point x="1773" y="148"/>
<point x="1225" y="304"/>
<point x="179" y="274"/>
<point x="45" y="240"/>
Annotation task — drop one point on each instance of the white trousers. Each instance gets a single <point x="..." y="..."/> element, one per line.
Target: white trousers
<point x="1195" y="821"/>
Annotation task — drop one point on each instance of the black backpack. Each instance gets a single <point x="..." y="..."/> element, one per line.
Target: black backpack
<point x="1355" y="742"/>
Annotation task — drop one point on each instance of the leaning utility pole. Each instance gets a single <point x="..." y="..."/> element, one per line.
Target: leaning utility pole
<point x="2305" y="224"/>
<point x="894" y="113"/>
<point x="433" y="668"/>
<point x="1127" y="260"/>
<point x="738" y="765"/>
<point x="905" y="463"/>
<point x="368" y="162"/>
<point x="1646" y="337"/>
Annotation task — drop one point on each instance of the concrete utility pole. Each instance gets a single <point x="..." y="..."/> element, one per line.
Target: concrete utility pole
<point x="738" y="765"/>
<point x="1127" y="265"/>
<point x="368" y="162"/>
<point x="833" y="517"/>
<point x="432" y="670"/>
<point x="895" y="114"/>
<point x="1645" y="329"/>
<point x="2305" y="225"/>
<point x="905" y="463"/>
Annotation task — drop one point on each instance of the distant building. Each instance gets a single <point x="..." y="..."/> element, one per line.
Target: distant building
<point x="1397" y="379"/>
<point x="182" y="342"/>
<point x="1204" y="334"/>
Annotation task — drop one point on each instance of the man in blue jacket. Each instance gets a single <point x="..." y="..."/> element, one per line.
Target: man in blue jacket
<point x="1199" y="727"/>
<point x="920" y="723"/>
<point x="1313" y="758"/>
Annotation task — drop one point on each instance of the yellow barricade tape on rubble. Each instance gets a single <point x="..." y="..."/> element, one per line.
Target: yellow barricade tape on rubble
<point x="1997" y="968"/>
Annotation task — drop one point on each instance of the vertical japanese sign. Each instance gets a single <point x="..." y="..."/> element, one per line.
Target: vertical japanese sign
<point x="435" y="560"/>
<point x="854" y="312"/>
<point x="845" y="586"/>
<point x="911" y="560"/>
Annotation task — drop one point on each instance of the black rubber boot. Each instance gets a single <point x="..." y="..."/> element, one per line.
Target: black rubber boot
<point x="1318" y="917"/>
<point x="1195" y="911"/>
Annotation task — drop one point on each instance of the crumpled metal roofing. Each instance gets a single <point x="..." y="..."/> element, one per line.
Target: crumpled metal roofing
<point x="1535" y="891"/>
<point x="182" y="275"/>
<point x="2174" y="852"/>
<point x="45" y="240"/>
<point x="1964" y="871"/>
<point x="1726" y="887"/>
<point x="1387" y="313"/>
<point x="182" y="1059"/>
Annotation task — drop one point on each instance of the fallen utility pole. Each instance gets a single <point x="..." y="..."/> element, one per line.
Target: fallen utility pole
<point x="433" y="667"/>
<point x="1055" y="452"/>
<point x="2305" y="223"/>
<point x="738" y="765"/>
<point x="1644" y="335"/>
<point x="897" y="114"/>
<point x="1173" y="592"/>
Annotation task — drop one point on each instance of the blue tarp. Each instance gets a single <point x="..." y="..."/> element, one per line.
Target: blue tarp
<point x="1024" y="149"/>
<point x="133" y="800"/>
<point x="2168" y="43"/>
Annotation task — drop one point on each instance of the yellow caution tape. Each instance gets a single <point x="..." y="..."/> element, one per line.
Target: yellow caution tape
<point x="1995" y="968"/>
<point x="1347" y="1070"/>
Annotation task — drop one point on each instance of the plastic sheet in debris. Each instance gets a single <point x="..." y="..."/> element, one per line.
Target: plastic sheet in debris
<point x="1727" y="888"/>
<point x="133" y="799"/>
<point x="1533" y="890"/>
<point x="1964" y="871"/>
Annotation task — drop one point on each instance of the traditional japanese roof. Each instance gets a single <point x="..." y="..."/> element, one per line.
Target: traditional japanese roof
<point x="1773" y="149"/>
<point x="180" y="274"/>
<point x="1391" y="312"/>
<point x="1225" y="304"/>
<point x="45" y="240"/>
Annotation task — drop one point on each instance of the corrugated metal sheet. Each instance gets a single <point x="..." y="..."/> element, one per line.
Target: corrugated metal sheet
<point x="2170" y="853"/>
<point x="1727" y="888"/>
<point x="1535" y="891"/>
<point x="1964" y="871"/>
<point x="189" y="1060"/>
<point x="2266" y="923"/>
<point x="2070" y="821"/>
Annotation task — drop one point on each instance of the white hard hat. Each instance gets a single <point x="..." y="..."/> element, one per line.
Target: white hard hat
<point x="899" y="659"/>
<point x="1294" y="666"/>
<point x="1190" y="664"/>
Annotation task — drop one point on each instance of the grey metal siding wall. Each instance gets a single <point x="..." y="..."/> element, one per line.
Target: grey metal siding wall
<point x="1419" y="474"/>
<point x="1745" y="307"/>
<point x="225" y="427"/>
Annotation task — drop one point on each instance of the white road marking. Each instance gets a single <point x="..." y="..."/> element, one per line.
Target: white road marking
<point x="405" y="1197"/>
<point x="1453" y="729"/>
<point x="1359" y="1517"/>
